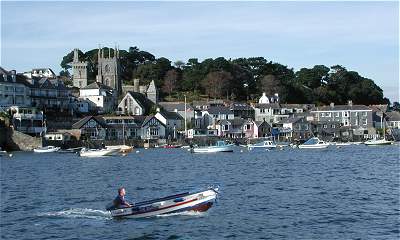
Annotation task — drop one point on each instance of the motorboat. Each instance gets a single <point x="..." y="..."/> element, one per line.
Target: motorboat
<point x="47" y="149"/>
<point x="172" y="146"/>
<point x="264" y="144"/>
<point x="98" y="152"/>
<point x="220" y="146"/>
<point x="377" y="142"/>
<point x="198" y="201"/>
<point x="314" y="143"/>
<point x="121" y="148"/>
<point x="70" y="150"/>
<point x="341" y="144"/>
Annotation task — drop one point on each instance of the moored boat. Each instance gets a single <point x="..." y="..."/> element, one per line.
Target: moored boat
<point x="199" y="201"/>
<point x="264" y="144"/>
<point x="121" y="148"/>
<point x="220" y="146"/>
<point x="377" y="142"/>
<point x="98" y="152"/>
<point x="47" y="149"/>
<point x="314" y="143"/>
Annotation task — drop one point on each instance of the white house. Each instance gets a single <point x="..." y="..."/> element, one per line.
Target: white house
<point x="134" y="103"/>
<point x="152" y="128"/>
<point x="172" y="120"/>
<point x="14" y="89"/>
<point x="100" y="96"/>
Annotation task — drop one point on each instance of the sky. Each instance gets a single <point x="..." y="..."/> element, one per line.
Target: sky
<point x="361" y="36"/>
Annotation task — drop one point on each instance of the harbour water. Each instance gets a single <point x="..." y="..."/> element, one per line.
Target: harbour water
<point x="336" y="193"/>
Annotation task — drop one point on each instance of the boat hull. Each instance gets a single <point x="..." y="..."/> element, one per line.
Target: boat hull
<point x="46" y="150"/>
<point x="320" y="146"/>
<point x="212" y="149"/>
<point x="378" y="143"/>
<point x="199" y="201"/>
<point x="98" y="153"/>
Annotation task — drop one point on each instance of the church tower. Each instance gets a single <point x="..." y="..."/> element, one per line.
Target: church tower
<point x="108" y="69"/>
<point x="79" y="71"/>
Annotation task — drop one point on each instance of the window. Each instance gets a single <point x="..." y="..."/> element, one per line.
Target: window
<point x="225" y="127"/>
<point x="226" y="116"/>
<point x="365" y="121"/>
<point x="333" y="126"/>
<point x="322" y="114"/>
<point x="325" y="126"/>
<point x="247" y="127"/>
<point x="262" y="110"/>
<point x="365" y="114"/>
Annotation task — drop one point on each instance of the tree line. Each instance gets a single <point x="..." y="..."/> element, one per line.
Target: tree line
<point x="239" y="79"/>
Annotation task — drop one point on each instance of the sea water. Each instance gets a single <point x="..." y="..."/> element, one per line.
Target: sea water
<point x="350" y="192"/>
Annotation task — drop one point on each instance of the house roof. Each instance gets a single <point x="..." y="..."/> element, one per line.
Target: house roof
<point x="290" y="120"/>
<point x="97" y="85"/>
<point x="259" y="123"/>
<point x="142" y="100"/>
<point x="148" y="118"/>
<point x="171" y="106"/>
<point x="48" y="83"/>
<point x="21" y="79"/>
<point x="393" y="116"/>
<point x="267" y="105"/>
<point x="241" y="106"/>
<point x="84" y="120"/>
<point x="341" y="108"/>
<point x="171" y="115"/>
<point x="219" y="110"/>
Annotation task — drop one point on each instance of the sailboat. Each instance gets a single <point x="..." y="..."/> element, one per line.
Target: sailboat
<point x="377" y="142"/>
<point x="121" y="148"/>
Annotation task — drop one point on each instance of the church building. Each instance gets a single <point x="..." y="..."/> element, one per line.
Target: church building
<point x="108" y="70"/>
<point x="79" y="71"/>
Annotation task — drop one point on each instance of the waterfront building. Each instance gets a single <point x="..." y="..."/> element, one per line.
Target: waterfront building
<point x="201" y="133"/>
<point x="295" y="128"/>
<point x="264" y="129"/>
<point x="237" y="128"/>
<point x="393" y="119"/>
<point x="108" y="69"/>
<point x="28" y="120"/>
<point x="134" y="103"/>
<point x="152" y="128"/>
<point x="173" y="122"/>
<point x="101" y="97"/>
<point x="328" y="130"/>
<point x="40" y="73"/>
<point x="79" y="71"/>
<point x="58" y="136"/>
<point x="91" y="128"/>
<point x="267" y="112"/>
<point x="14" y="89"/>
<point x="123" y="127"/>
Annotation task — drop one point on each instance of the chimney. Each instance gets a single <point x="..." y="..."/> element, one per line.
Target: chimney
<point x="158" y="109"/>
<point x="332" y="104"/>
<point x="136" y="85"/>
<point x="350" y="103"/>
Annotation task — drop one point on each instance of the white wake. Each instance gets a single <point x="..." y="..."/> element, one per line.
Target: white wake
<point x="79" y="213"/>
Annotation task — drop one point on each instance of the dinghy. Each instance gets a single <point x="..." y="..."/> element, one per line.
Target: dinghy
<point x="199" y="201"/>
<point x="47" y="149"/>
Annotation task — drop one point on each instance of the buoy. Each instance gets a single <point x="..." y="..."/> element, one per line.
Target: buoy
<point x="137" y="151"/>
<point x="10" y="155"/>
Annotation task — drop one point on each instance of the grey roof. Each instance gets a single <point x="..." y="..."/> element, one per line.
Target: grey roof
<point x="21" y="79"/>
<point x="148" y="118"/>
<point x="84" y="120"/>
<point x="241" y="106"/>
<point x="341" y="108"/>
<point x="97" y="85"/>
<point x="290" y="120"/>
<point x="219" y="110"/>
<point x="302" y="106"/>
<point x="171" y="106"/>
<point x="171" y="115"/>
<point x="142" y="100"/>
<point x="393" y="116"/>
<point x="259" y="123"/>
<point x="267" y="105"/>
<point x="47" y="83"/>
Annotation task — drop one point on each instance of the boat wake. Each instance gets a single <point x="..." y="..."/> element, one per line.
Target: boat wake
<point x="79" y="213"/>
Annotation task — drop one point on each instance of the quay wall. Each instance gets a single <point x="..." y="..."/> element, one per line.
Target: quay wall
<point x="18" y="141"/>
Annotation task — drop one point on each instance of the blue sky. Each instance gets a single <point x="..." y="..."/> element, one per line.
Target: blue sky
<point x="362" y="36"/>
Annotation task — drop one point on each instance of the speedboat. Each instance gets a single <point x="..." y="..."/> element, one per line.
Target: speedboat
<point x="220" y="146"/>
<point x="264" y="144"/>
<point x="121" y="148"/>
<point x="377" y="142"/>
<point x="98" y="152"/>
<point x="314" y="143"/>
<point x="199" y="201"/>
<point x="47" y="149"/>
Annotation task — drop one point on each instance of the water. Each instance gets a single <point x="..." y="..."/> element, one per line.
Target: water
<point x="346" y="193"/>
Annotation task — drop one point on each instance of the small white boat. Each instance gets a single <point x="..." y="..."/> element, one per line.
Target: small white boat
<point x="314" y="143"/>
<point x="377" y="142"/>
<point x="264" y="144"/>
<point x="121" y="148"/>
<point x="98" y="152"/>
<point x="198" y="201"/>
<point x="47" y="149"/>
<point x="340" y="144"/>
<point x="221" y="146"/>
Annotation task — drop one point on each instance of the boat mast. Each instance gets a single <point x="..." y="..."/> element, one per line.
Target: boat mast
<point x="123" y="132"/>
<point x="383" y="126"/>
<point x="185" y="118"/>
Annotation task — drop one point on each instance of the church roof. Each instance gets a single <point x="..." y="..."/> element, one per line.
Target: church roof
<point x="142" y="100"/>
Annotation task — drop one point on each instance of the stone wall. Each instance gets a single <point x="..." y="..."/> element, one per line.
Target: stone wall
<point x="20" y="141"/>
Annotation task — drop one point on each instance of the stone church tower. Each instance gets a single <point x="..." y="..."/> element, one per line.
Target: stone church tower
<point x="79" y="71"/>
<point x="108" y="69"/>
